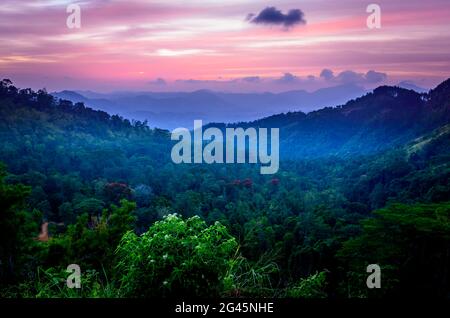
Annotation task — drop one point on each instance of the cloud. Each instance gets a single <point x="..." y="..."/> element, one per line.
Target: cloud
<point x="327" y="74"/>
<point x="158" y="81"/>
<point x="273" y="16"/>
<point x="290" y="80"/>
<point x="375" y="77"/>
<point x="352" y="77"/>
<point x="287" y="78"/>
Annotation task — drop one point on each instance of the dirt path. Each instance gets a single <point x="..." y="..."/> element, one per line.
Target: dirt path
<point x="43" y="236"/>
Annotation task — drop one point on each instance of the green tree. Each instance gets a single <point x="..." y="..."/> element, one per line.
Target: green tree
<point x="312" y="286"/>
<point x="91" y="241"/>
<point x="176" y="257"/>
<point x="18" y="227"/>
<point x="410" y="243"/>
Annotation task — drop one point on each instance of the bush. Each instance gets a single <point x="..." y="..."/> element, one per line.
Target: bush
<point x="176" y="257"/>
<point x="310" y="287"/>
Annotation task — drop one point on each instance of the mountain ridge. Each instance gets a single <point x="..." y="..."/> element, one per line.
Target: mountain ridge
<point x="210" y="106"/>
<point x="387" y="117"/>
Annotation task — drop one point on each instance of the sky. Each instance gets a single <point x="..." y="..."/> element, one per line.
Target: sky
<point x="230" y="45"/>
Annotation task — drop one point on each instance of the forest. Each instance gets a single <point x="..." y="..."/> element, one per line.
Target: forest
<point x="362" y="183"/>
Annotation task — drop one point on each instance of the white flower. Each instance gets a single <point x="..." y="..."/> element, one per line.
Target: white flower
<point x="171" y="216"/>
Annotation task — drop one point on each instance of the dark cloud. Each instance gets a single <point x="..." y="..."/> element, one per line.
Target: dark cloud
<point x="352" y="77"/>
<point x="273" y="16"/>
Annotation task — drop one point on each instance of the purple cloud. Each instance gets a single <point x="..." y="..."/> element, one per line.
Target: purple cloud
<point x="352" y="77"/>
<point x="273" y="16"/>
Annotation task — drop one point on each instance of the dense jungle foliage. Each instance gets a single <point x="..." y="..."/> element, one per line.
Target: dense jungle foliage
<point x="80" y="186"/>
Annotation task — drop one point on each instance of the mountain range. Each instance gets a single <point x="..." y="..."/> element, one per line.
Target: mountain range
<point x="385" y="118"/>
<point x="172" y="110"/>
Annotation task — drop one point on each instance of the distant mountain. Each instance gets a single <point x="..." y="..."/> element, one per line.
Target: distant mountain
<point x="171" y="110"/>
<point x="95" y="103"/>
<point x="411" y="85"/>
<point x="385" y="118"/>
<point x="72" y="96"/>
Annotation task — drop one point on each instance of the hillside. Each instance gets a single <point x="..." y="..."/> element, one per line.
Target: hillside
<point x="385" y="118"/>
<point x="106" y="193"/>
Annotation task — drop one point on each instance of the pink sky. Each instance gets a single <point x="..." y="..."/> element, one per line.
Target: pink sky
<point x="193" y="44"/>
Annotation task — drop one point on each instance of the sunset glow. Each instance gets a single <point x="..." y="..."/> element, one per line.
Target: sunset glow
<point x="203" y="44"/>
